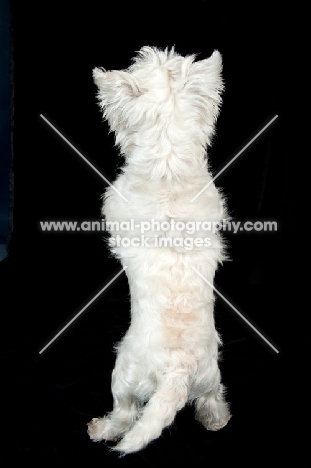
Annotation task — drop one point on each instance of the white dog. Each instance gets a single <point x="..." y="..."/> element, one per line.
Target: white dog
<point x="163" y="110"/>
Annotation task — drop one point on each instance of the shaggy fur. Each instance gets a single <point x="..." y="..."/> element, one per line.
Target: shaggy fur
<point x="163" y="110"/>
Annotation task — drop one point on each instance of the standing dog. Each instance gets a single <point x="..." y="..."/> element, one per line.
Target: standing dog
<point x="163" y="110"/>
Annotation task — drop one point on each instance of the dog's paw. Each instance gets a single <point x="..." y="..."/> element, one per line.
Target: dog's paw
<point x="129" y="444"/>
<point x="101" y="429"/>
<point x="213" y="414"/>
<point x="217" y="423"/>
<point x="214" y="421"/>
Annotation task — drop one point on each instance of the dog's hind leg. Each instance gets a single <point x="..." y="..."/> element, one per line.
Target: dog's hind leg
<point x="170" y="397"/>
<point x="115" y="424"/>
<point x="212" y="410"/>
<point x="125" y="412"/>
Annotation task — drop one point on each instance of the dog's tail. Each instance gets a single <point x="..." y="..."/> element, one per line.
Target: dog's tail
<point x="170" y="397"/>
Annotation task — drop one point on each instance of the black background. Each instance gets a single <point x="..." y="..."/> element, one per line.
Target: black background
<point x="48" y="278"/>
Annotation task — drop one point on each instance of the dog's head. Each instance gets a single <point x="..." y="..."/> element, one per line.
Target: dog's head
<point x="161" y="88"/>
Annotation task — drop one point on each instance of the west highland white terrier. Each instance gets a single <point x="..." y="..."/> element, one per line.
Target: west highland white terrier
<point x="163" y="110"/>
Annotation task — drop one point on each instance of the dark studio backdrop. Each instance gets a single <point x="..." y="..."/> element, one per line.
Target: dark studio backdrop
<point x="47" y="278"/>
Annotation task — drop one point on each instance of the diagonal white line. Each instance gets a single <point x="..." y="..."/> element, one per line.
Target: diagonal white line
<point x="235" y="310"/>
<point x="235" y="157"/>
<point x="92" y="300"/>
<point x="81" y="155"/>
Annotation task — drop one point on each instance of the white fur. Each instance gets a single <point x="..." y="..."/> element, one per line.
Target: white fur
<point x="163" y="110"/>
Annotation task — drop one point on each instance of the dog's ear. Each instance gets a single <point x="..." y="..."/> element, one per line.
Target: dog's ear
<point x="117" y="90"/>
<point x="212" y="66"/>
<point x="203" y="86"/>
<point x="205" y="76"/>
<point x="115" y="84"/>
<point x="98" y="74"/>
